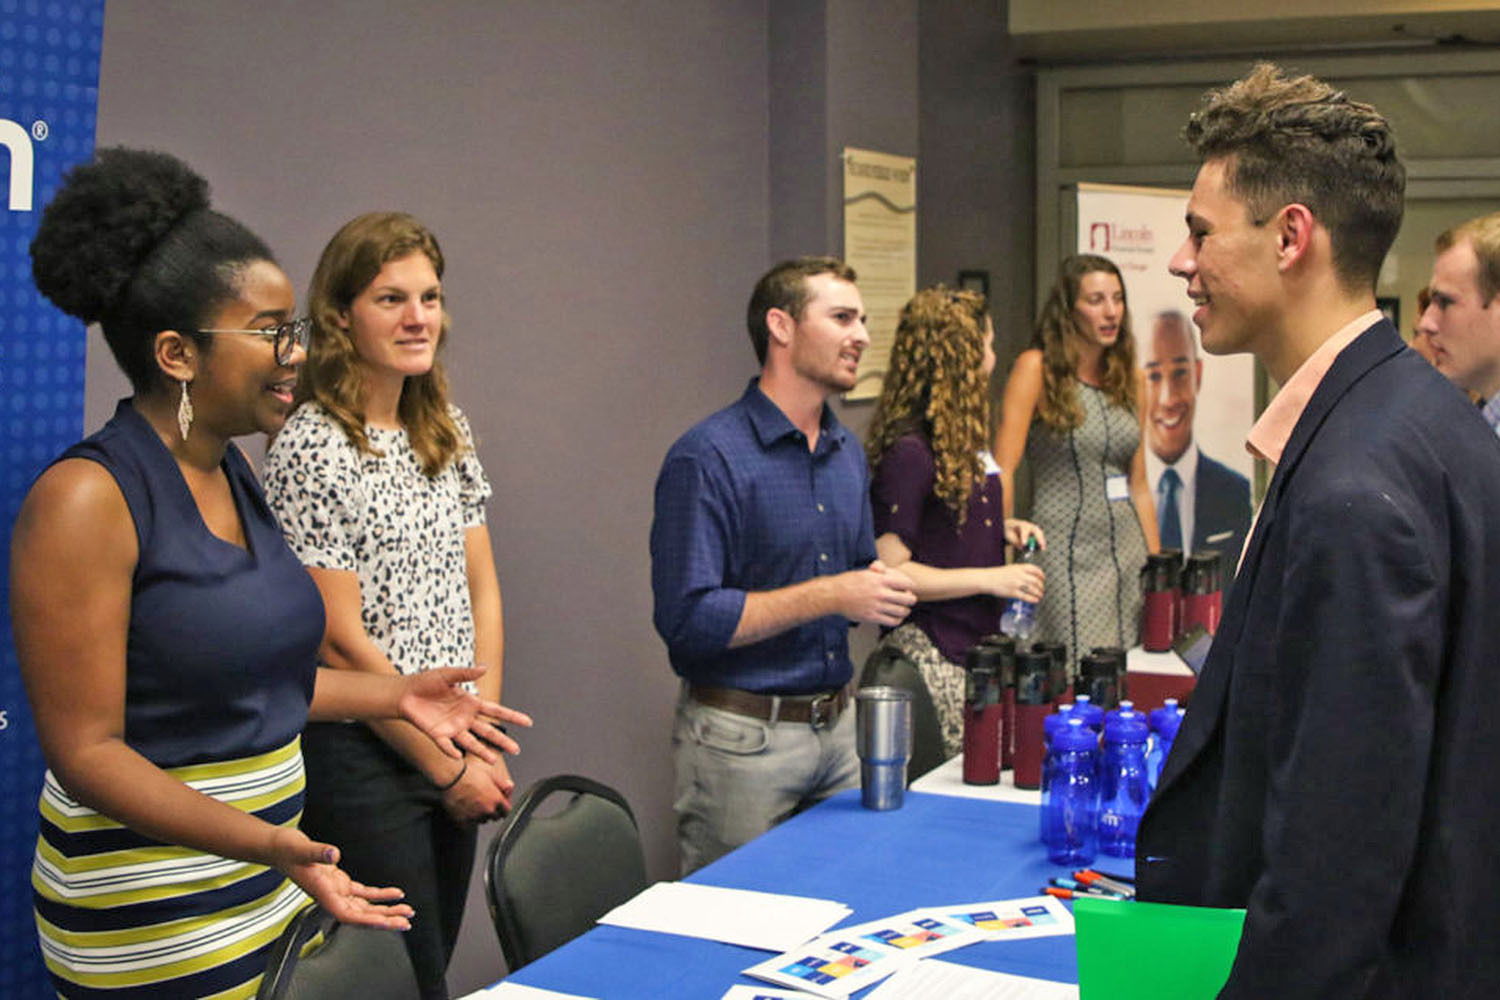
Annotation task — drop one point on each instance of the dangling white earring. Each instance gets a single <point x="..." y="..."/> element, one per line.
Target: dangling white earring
<point x="184" y="411"/>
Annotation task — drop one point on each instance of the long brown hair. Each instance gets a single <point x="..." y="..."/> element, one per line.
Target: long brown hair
<point x="332" y="376"/>
<point x="936" y="385"/>
<point x="1057" y="335"/>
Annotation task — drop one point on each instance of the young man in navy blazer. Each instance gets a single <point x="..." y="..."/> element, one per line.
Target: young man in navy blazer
<point x="1337" y="774"/>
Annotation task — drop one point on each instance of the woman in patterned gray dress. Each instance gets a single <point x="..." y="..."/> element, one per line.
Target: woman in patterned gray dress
<point x="1074" y="408"/>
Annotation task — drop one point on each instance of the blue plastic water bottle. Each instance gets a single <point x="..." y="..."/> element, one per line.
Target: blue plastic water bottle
<point x="1073" y="797"/>
<point x="1166" y="732"/>
<point x="1019" y="617"/>
<point x="1091" y="714"/>
<point x="1109" y="749"/>
<point x="1050" y="726"/>
<point x="1124" y="789"/>
<point x="1154" y="717"/>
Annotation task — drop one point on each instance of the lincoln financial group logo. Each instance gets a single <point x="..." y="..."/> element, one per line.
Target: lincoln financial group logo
<point x="1109" y="237"/>
<point x="17" y="142"/>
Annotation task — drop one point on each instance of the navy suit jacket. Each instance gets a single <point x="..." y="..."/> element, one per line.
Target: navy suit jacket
<point x="1221" y="505"/>
<point x="1338" y="770"/>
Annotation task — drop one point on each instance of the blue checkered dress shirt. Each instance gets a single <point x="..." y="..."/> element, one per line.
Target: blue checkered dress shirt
<point x="742" y="505"/>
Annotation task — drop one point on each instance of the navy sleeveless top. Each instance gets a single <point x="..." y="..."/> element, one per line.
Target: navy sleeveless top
<point x="221" y="654"/>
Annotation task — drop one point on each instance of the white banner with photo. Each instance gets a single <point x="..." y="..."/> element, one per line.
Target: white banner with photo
<point x="1193" y="399"/>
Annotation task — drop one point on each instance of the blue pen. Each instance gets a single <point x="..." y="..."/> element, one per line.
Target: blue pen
<point x="1092" y="890"/>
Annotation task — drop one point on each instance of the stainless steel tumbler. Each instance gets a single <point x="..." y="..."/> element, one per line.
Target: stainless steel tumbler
<point x="883" y="725"/>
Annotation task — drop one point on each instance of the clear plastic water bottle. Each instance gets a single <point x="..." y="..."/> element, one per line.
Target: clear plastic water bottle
<point x="1124" y="789"/>
<point x="1019" y="617"/>
<point x="1166" y="731"/>
<point x="1072" y="805"/>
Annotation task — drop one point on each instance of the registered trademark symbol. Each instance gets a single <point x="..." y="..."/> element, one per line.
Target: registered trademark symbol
<point x="40" y="130"/>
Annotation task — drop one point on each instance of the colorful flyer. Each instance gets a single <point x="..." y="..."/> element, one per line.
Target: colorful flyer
<point x="1009" y="919"/>
<point x="919" y="933"/>
<point x="833" y="965"/>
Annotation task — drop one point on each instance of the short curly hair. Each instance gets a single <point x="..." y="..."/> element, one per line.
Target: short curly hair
<point x="1297" y="139"/>
<point x="936" y="386"/>
<point x="131" y="243"/>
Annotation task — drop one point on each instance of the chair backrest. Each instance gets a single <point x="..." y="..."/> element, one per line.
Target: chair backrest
<point x="352" y="961"/>
<point x="549" y="876"/>
<point x="887" y="666"/>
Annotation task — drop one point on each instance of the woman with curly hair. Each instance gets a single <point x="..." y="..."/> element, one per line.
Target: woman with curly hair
<point x="1075" y="408"/>
<point x="166" y="634"/>
<point x="937" y="497"/>
<point x="381" y="495"/>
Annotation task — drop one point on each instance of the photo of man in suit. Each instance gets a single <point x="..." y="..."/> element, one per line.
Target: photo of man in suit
<point x="1200" y="503"/>
<point x="1337" y="772"/>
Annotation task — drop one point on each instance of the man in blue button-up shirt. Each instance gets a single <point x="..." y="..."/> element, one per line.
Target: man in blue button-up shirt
<point x="762" y="552"/>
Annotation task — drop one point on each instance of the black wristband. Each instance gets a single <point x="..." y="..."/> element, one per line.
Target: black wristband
<point x="461" y="772"/>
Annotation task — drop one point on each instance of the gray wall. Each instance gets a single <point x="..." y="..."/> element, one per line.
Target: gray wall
<point x="608" y="180"/>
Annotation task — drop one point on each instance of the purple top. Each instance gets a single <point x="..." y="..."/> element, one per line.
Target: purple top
<point x="903" y="502"/>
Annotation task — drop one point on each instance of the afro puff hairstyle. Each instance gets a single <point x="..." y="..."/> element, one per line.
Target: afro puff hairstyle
<point x="130" y="242"/>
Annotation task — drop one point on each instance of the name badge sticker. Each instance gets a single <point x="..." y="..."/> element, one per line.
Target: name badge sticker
<point x="987" y="460"/>
<point x="1116" y="487"/>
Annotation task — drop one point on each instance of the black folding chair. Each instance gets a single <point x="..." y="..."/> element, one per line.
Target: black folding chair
<point x="887" y="667"/>
<point x="351" y="962"/>
<point x="549" y="877"/>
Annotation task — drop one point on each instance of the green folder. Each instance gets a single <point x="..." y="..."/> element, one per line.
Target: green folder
<point x="1153" y="951"/>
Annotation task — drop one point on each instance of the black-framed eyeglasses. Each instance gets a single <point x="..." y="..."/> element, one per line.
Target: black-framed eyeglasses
<point x="286" y="337"/>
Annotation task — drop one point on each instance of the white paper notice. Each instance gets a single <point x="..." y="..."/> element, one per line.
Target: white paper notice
<point x="1010" y="919"/>
<point x="765" y="993"/>
<point x="515" y="991"/>
<point x="933" y="980"/>
<point x="766" y="920"/>
<point x="834" y="965"/>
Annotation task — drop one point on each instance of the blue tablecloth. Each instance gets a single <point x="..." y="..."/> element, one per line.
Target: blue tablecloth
<point x="933" y="851"/>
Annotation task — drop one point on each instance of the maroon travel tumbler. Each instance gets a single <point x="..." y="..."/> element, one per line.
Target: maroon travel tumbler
<point x="1202" y="595"/>
<point x="1033" y="703"/>
<point x="1162" y="593"/>
<point x="1101" y="676"/>
<point x="984" y="710"/>
<point x="1004" y="663"/>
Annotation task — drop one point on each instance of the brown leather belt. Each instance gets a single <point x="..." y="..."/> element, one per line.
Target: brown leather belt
<point x="820" y="711"/>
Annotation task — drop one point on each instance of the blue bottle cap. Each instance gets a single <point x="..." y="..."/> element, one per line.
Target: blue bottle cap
<point x="1075" y="736"/>
<point x="1126" y="729"/>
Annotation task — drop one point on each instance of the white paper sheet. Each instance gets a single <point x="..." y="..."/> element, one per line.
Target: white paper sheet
<point x="767" y="920"/>
<point x="934" y="980"/>
<point x="765" y="993"/>
<point x="515" y="991"/>
<point x="1010" y="919"/>
<point x="834" y="965"/>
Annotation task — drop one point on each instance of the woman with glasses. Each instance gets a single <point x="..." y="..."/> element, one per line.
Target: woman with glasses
<point x="936" y="496"/>
<point x="380" y="492"/>
<point x="166" y="634"/>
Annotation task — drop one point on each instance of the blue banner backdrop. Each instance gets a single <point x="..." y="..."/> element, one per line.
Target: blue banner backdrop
<point x="49" y="94"/>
